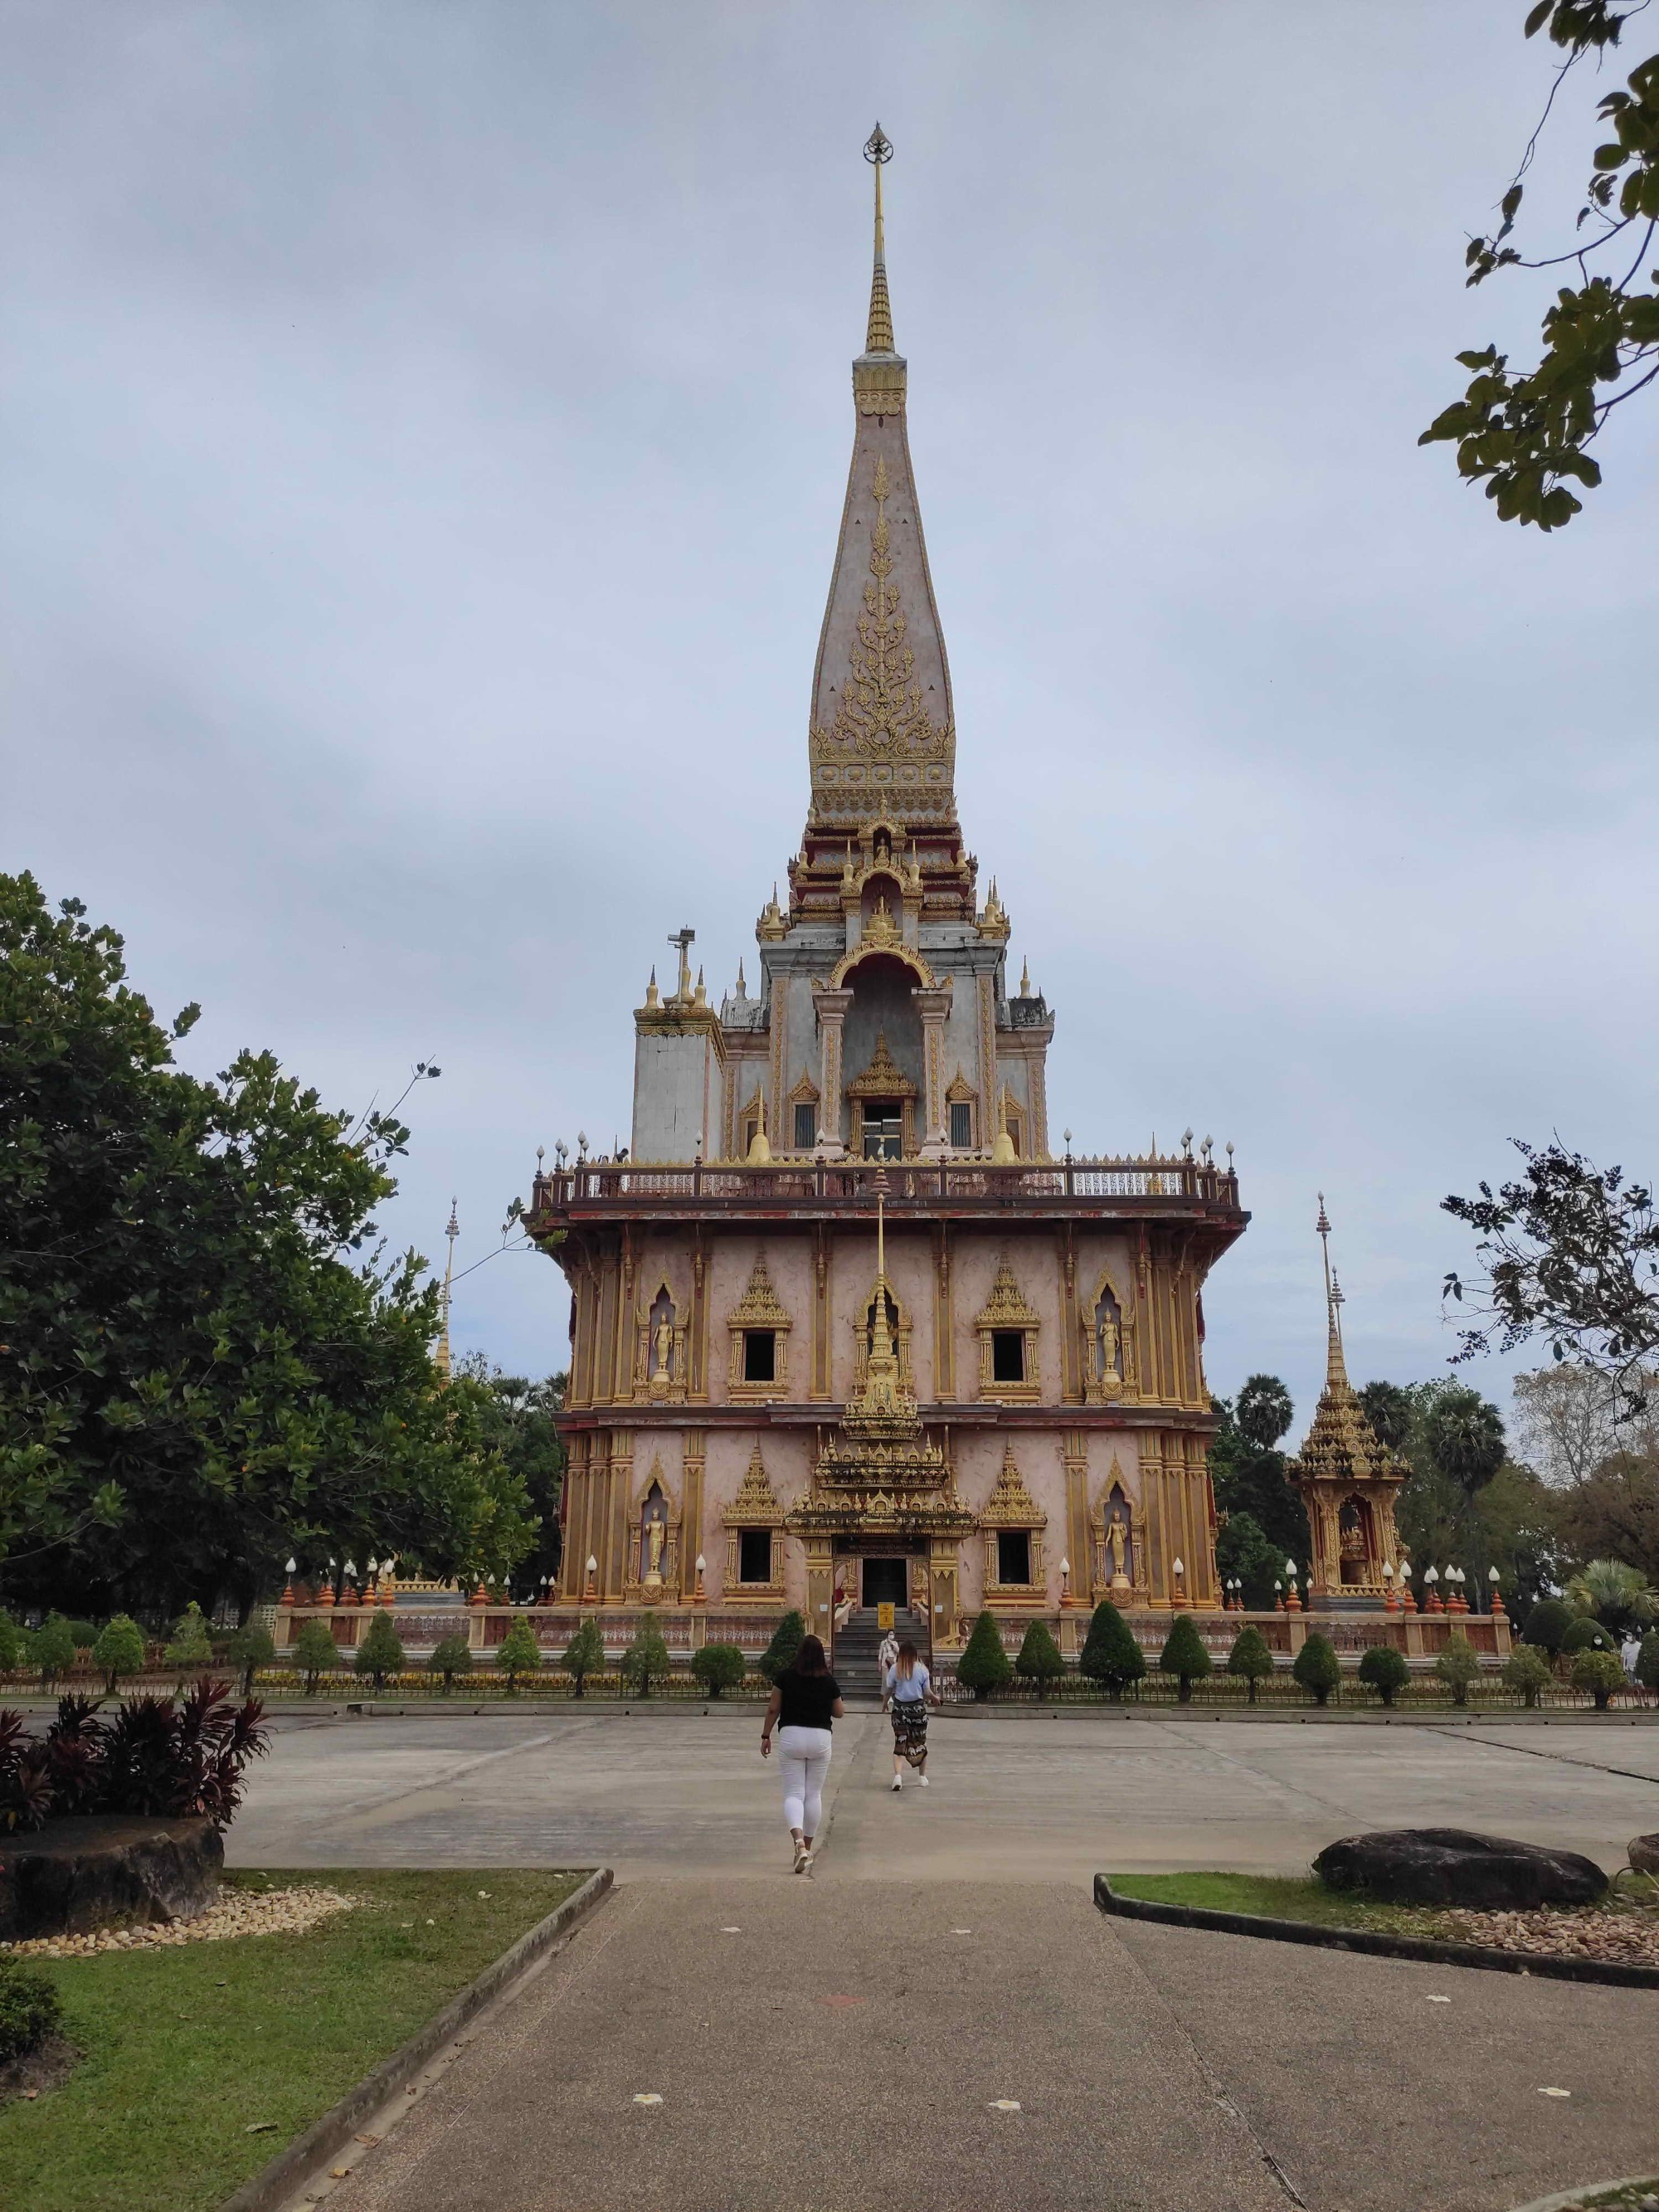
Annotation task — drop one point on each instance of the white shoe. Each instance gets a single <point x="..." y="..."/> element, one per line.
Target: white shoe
<point x="898" y="1782"/>
<point x="923" y="1779"/>
<point x="803" y="1858"/>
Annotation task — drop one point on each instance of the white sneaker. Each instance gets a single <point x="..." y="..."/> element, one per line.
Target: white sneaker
<point x="923" y="1779"/>
<point x="897" y="1782"/>
<point x="803" y="1858"/>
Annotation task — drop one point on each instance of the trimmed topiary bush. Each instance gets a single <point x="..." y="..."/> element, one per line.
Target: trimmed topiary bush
<point x="451" y="1655"/>
<point x="1250" y="1659"/>
<point x="11" y="1643"/>
<point x="1584" y="1634"/>
<point x="1039" y="1660"/>
<point x="51" y="1649"/>
<point x="381" y="1651"/>
<point x="1601" y="1673"/>
<point x="1383" y="1670"/>
<point x="1549" y="1622"/>
<point x="584" y="1654"/>
<point x="118" y="1650"/>
<point x="1318" y="1667"/>
<point x="646" y="1657"/>
<point x="517" y="1653"/>
<point x="191" y="1647"/>
<point x="249" y="1648"/>
<point x="780" y="1654"/>
<point x="30" y="2010"/>
<point x="1110" y="1655"/>
<point x="1459" y="1665"/>
<point x="314" y="1653"/>
<point x="720" y="1668"/>
<point x="983" y="1666"/>
<point x="1528" y="1670"/>
<point x="1185" y="1657"/>
<point x="1647" y="1660"/>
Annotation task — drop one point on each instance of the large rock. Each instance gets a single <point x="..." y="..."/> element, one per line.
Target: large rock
<point x="1644" y="1853"/>
<point x="106" y="1870"/>
<point x="1451" y="1866"/>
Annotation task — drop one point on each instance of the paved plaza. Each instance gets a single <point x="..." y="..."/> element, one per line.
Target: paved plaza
<point x="939" y="2017"/>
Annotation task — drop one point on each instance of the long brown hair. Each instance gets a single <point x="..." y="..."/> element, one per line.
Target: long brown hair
<point x="810" y="1659"/>
<point x="906" y="1660"/>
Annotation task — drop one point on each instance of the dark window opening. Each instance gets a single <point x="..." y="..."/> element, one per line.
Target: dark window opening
<point x="884" y="1129"/>
<point x="1007" y="1355"/>
<point x="760" y="1355"/>
<point x="750" y="1130"/>
<point x="806" y="1126"/>
<point x="1013" y="1555"/>
<point x="962" y="1124"/>
<point x="755" y="1555"/>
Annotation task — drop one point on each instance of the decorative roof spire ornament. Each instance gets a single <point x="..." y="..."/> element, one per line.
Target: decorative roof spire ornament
<point x="1336" y="1372"/>
<point x="878" y="336"/>
<point x="451" y="1232"/>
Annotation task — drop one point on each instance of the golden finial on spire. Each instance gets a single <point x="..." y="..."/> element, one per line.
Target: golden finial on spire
<point x="451" y="1232"/>
<point x="1335" y="1367"/>
<point x="878" y="336"/>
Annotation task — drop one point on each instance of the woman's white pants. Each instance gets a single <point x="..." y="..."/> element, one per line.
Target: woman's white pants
<point x="804" y="1755"/>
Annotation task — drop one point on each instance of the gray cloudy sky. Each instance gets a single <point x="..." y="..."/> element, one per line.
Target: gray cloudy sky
<point x="425" y="429"/>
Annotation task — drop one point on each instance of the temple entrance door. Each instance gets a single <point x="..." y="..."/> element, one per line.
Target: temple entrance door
<point x="886" y="1582"/>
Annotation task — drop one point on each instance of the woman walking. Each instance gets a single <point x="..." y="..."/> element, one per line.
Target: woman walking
<point x="908" y="1691"/>
<point x="804" y="1708"/>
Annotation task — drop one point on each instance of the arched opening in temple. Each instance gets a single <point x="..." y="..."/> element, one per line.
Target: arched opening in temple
<point x="1354" y="1531"/>
<point x="1108" y="1338"/>
<point x="654" y="1534"/>
<point x="1119" y="1531"/>
<point x="882" y="1054"/>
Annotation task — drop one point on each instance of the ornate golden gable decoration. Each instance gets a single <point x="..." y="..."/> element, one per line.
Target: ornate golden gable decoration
<point x="1005" y="1308"/>
<point x="759" y="1308"/>
<point x="1011" y="1504"/>
<point x="884" y="1078"/>
<point x="879" y="714"/>
<point x="756" y="1504"/>
<point x="961" y="1092"/>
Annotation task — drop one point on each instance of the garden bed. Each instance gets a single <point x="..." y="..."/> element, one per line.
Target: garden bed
<point x="200" y="2060"/>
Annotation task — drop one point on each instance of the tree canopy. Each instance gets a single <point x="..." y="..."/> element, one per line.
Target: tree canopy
<point x="1524" y="433"/>
<point x="206" y="1361"/>
<point x="1247" y="1471"/>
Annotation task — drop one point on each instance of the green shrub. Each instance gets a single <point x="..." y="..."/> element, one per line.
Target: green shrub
<point x="51" y="1649"/>
<point x="780" y="1654"/>
<point x="191" y="1647"/>
<point x="1584" y="1634"/>
<point x="1528" y="1669"/>
<point x="517" y="1653"/>
<point x="585" y="1653"/>
<point x="1039" y="1659"/>
<point x="1647" y="1660"/>
<point x="1318" y="1667"/>
<point x="29" y="2011"/>
<point x="1459" y="1665"/>
<point x="249" y="1648"/>
<point x="646" y="1657"/>
<point x="1250" y="1658"/>
<point x="1601" y="1673"/>
<point x="1110" y="1654"/>
<point x="1549" y="1622"/>
<point x="381" y="1651"/>
<point x="314" y="1653"/>
<point x="451" y="1655"/>
<point x="118" y="1650"/>
<point x="1383" y="1670"/>
<point x="85" y="1633"/>
<point x="983" y="1666"/>
<point x="11" y="1643"/>
<point x="1184" y="1657"/>
<point x="720" y="1668"/>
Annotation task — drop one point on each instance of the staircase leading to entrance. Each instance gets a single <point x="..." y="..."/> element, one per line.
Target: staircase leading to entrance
<point x="857" y="1644"/>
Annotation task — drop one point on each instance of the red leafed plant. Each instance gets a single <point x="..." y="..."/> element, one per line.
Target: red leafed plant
<point x="169" y="1756"/>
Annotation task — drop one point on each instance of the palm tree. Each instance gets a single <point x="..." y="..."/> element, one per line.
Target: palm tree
<point x="1618" y="1595"/>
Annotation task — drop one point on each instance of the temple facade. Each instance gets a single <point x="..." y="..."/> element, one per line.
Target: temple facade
<point x="849" y="1328"/>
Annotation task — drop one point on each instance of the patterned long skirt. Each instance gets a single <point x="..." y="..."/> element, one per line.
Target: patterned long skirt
<point x="910" y="1730"/>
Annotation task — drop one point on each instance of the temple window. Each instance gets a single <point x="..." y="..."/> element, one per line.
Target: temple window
<point x="1013" y="1523"/>
<point x="759" y="1325"/>
<point x="1007" y="1356"/>
<point x="884" y="1129"/>
<point x="1007" y="1330"/>
<point x="806" y="1126"/>
<point x="961" y="1125"/>
<point x="1014" y="1556"/>
<point x="753" y="1555"/>
<point x="760" y="1355"/>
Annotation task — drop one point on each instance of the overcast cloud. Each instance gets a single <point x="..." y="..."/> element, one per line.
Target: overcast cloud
<point x="425" y="430"/>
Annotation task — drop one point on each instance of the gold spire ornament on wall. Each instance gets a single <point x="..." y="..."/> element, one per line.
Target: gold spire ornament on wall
<point x="878" y="335"/>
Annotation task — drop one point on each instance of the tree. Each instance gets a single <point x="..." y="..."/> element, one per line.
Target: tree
<point x="780" y="1654"/>
<point x="1185" y="1656"/>
<point x="206" y="1362"/>
<point x="1570" y="1253"/>
<point x="517" y="1653"/>
<point x="1243" y="1548"/>
<point x="1525" y="433"/>
<point x="1110" y="1654"/>
<point x="1647" y="1660"/>
<point x="381" y="1651"/>
<point x="1584" y="1634"/>
<point x="119" y="1651"/>
<point x="719" y="1667"/>
<point x="1618" y="1595"/>
<point x="1248" y="1474"/>
<point x="450" y="1655"/>
<point x="1459" y="1665"/>
<point x="1385" y="1669"/>
<point x="518" y="1418"/>
<point x="1039" y="1659"/>
<point x="314" y="1654"/>
<point x="1528" y="1670"/>
<point x="1601" y="1673"/>
<point x="585" y="1653"/>
<point x="1549" y="1622"/>
<point x="11" y="1643"/>
<point x="1251" y="1659"/>
<point x="248" y="1649"/>
<point x="646" y="1657"/>
<point x="1613" y="1514"/>
<point x="1464" y="1435"/>
<point x="1263" y="1411"/>
<point x="1570" y="1420"/>
<point x="52" y="1648"/>
<point x="1318" y="1667"/>
<point x="1391" y="1411"/>
<point x="191" y="1647"/>
<point x="983" y="1666"/>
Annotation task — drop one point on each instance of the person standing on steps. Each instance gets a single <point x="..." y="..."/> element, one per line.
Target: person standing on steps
<point x="804" y="1708"/>
<point x="887" y="1657"/>
<point x="907" y="1689"/>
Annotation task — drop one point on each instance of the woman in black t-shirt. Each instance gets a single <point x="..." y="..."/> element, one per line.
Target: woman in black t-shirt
<point x="804" y="1707"/>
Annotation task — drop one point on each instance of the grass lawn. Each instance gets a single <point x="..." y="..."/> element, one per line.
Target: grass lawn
<point x="1275" y="1896"/>
<point x="183" y="2050"/>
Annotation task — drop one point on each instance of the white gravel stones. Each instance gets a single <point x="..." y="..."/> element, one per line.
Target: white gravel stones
<point x="237" y="1913"/>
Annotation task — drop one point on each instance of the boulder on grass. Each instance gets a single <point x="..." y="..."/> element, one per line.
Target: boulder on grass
<point x="1451" y="1866"/>
<point x="1644" y="1853"/>
<point x="105" y="1871"/>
